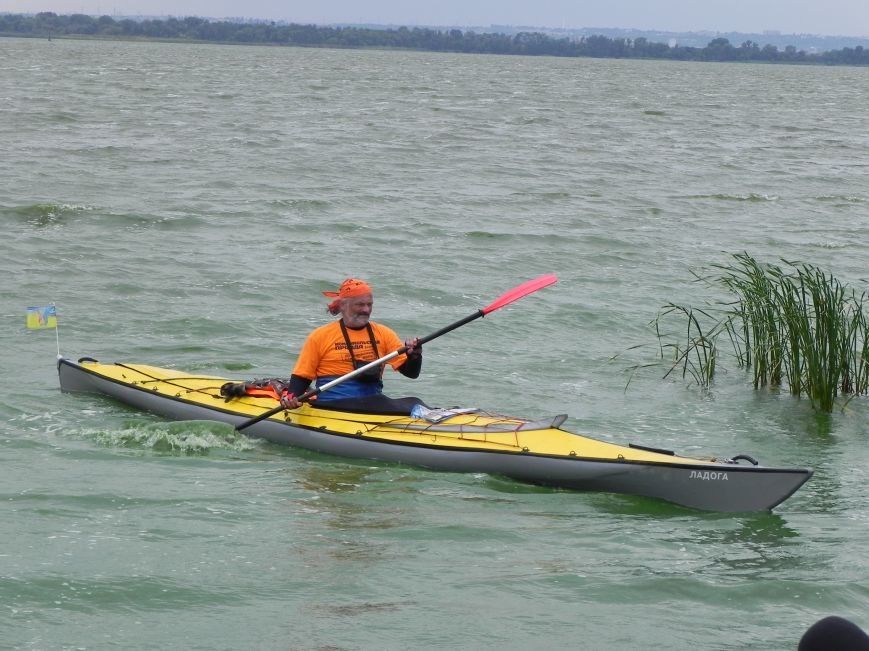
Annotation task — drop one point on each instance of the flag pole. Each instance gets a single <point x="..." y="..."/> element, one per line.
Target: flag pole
<point x="57" y="331"/>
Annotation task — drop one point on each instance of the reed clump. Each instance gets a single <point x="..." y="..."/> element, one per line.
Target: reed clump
<point x="794" y="326"/>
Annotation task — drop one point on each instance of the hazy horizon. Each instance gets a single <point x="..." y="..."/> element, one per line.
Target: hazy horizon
<point x="832" y="18"/>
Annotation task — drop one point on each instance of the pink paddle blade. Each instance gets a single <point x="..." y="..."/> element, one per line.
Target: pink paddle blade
<point x="522" y="290"/>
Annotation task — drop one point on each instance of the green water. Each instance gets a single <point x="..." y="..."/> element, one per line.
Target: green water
<point x="185" y="206"/>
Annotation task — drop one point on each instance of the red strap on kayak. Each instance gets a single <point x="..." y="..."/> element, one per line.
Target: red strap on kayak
<point x="269" y="392"/>
<point x="262" y="392"/>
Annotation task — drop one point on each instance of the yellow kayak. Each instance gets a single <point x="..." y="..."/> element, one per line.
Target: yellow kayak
<point x="458" y="440"/>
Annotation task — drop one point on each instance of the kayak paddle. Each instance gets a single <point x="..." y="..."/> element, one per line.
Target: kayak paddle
<point x="505" y="299"/>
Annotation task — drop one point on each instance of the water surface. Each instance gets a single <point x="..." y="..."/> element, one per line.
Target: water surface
<point x="185" y="205"/>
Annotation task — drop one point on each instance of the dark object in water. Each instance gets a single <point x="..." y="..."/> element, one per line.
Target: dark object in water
<point x="834" y="634"/>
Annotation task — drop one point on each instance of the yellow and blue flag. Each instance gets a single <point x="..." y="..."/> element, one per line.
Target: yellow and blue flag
<point x="42" y="317"/>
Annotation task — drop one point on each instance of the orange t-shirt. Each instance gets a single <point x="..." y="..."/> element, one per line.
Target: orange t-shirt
<point x="325" y="354"/>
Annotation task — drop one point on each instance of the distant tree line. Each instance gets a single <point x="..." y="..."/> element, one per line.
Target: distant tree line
<point x="48" y="24"/>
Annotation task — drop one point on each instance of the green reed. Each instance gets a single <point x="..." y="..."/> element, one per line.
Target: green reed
<point x="792" y="326"/>
<point x="698" y="356"/>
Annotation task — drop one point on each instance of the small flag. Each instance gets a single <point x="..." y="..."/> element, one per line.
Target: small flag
<point x="42" y="317"/>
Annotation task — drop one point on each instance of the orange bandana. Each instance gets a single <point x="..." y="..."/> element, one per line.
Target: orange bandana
<point x="348" y="289"/>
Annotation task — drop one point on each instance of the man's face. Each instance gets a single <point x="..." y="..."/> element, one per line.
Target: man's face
<point x="357" y="310"/>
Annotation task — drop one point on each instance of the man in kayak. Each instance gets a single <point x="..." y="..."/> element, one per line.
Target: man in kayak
<point x="349" y="343"/>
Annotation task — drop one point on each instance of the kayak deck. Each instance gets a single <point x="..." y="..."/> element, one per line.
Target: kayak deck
<point x="474" y="430"/>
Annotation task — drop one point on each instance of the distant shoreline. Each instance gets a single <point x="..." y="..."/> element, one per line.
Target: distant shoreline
<point x="199" y="30"/>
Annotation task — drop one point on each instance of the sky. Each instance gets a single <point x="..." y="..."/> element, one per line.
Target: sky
<point x="828" y="17"/>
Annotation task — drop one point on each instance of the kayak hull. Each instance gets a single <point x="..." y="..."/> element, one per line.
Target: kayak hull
<point x="534" y="452"/>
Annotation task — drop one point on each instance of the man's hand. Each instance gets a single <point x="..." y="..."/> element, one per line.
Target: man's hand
<point x="414" y="348"/>
<point x="289" y="401"/>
